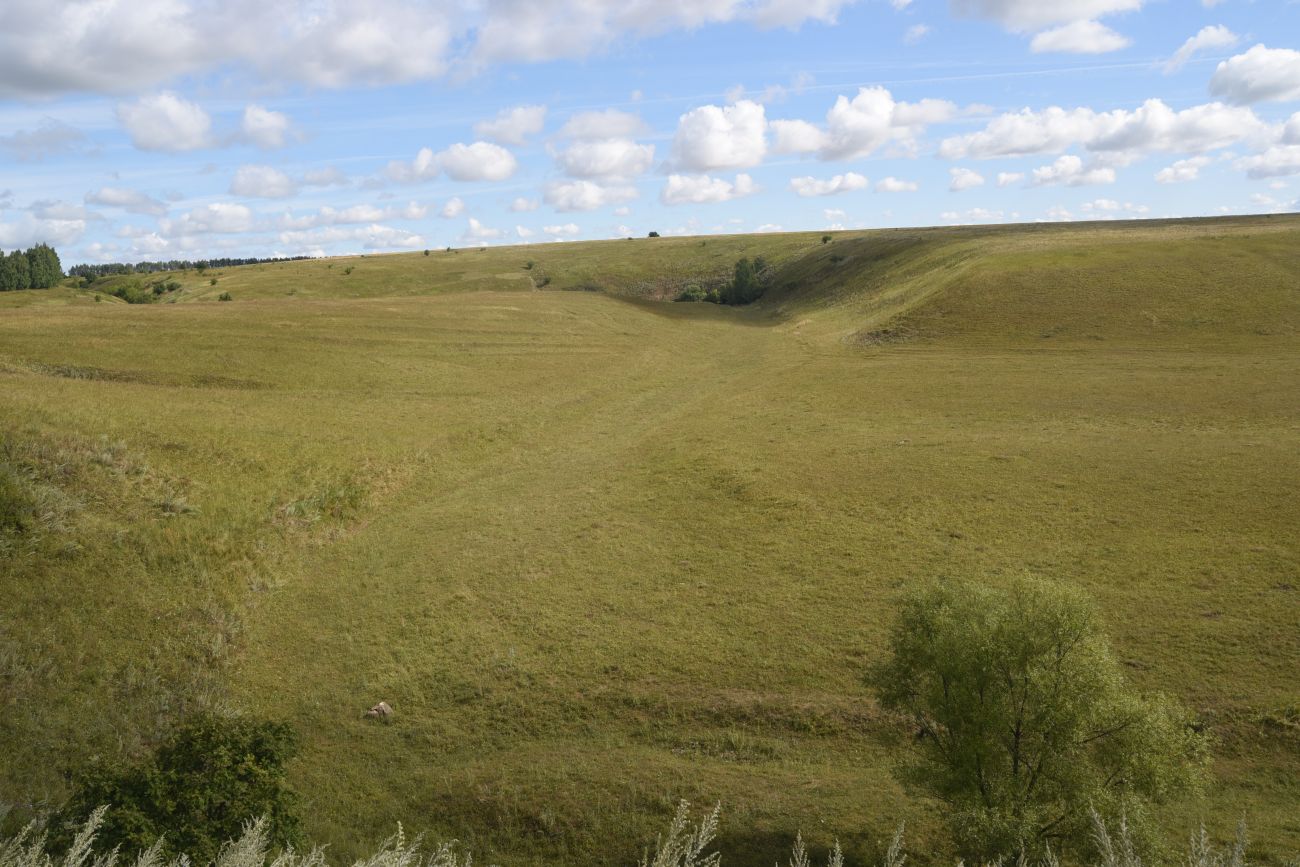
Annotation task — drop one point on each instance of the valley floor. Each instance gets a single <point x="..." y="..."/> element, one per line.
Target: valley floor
<point x="603" y="555"/>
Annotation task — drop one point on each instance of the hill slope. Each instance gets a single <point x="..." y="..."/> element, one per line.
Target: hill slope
<point x="601" y="555"/>
<point x="1123" y="280"/>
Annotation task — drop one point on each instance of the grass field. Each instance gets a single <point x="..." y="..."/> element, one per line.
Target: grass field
<point x="601" y="553"/>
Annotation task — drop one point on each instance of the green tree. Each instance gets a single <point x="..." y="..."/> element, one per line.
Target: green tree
<point x="8" y="278"/>
<point x="17" y="272"/>
<point x="43" y="266"/>
<point x="747" y="282"/>
<point x="209" y="777"/>
<point x="1024" y="719"/>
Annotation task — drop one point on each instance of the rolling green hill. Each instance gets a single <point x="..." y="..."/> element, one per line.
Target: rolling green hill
<point x="601" y="552"/>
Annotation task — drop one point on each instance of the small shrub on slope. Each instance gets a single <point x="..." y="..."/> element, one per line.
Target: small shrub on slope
<point x="197" y="790"/>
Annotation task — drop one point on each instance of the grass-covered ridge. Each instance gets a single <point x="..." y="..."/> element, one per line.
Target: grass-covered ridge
<point x="602" y="555"/>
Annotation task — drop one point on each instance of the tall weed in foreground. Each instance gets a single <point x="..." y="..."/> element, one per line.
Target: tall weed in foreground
<point x="683" y="845"/>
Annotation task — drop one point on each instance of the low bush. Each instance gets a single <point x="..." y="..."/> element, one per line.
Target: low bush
<point x="693" y="293"/>
<point x="195" y="792"/>
<point x="133" y="293"/>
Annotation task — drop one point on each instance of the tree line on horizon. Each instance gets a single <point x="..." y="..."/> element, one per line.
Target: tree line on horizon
<point x="112" y="269"/>
<point x="34" y="268"/>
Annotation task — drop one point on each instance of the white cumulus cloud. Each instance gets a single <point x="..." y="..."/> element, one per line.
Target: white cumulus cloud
<point x="356" y="214"/>
<point x="586" y="195"/>
<point x="1261" y="74"/>
<point x="1108" y="208"/>
<point x="423" y="168"/>
<point x="265" y="128"/>
<point x="1030" y="15"/>
<point x="610" y="123"/>
<point x="263" y="182"/>
<point x="131" y="201"/>
<point x="856" y="127"/>
<point x="809" y="186"/>
<point x="166" y="122"/>
<point x="476" y="232"/>
<point x="1182" y="171"/>
<point x="330" y="176"/>
<point x="700" y="189"/>
<point x="216" y="218"/>
<point x="1210" y="36"/>
<point x="480" y="161"/>
<point x="1078" y="37"/>
<point x="372" y="237"/>
<point x="50" y="137"/>
<point x="964" y="179"/>
<point x="513" y="126"/>
<point x="895" y="185"/>
<point x="1153" y="127"/>
<point x="613" y="158"/>
<point x="1070" y="170"/>
<point x="721" y="137"/>
<point x="1275" y="162"/>
<point x="453" y="208"/>
<point x="32" y="230"/>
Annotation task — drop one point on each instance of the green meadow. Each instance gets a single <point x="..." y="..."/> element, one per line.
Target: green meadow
<point x="601" y="552"/>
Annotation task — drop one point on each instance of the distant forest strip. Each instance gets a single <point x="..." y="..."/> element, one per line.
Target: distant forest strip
<point x="110" y="269"/>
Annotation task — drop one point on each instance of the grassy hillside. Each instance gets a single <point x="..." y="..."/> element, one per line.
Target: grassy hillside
<point x="601" y="555"/>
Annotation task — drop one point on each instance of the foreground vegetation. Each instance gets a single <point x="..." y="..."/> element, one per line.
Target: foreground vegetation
<point x="599" y="554"/>
<point x="684" y="844"/>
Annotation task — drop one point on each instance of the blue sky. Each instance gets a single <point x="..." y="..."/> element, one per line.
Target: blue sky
<point x="158" y="129"/>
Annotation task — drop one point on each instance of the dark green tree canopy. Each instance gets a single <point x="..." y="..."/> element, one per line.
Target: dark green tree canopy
<point x="1023" y="717"/>
<point x="209" y="777"/>
<point x="748" y="282"/>
<point x="15" y="272"/>
<point x="38" y="268"/>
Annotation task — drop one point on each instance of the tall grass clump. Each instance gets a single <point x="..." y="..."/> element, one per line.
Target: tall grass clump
<point x="684" y="844"/>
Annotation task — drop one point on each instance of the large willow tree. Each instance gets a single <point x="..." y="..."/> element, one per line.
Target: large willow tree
<point x="1024" y="720"/>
